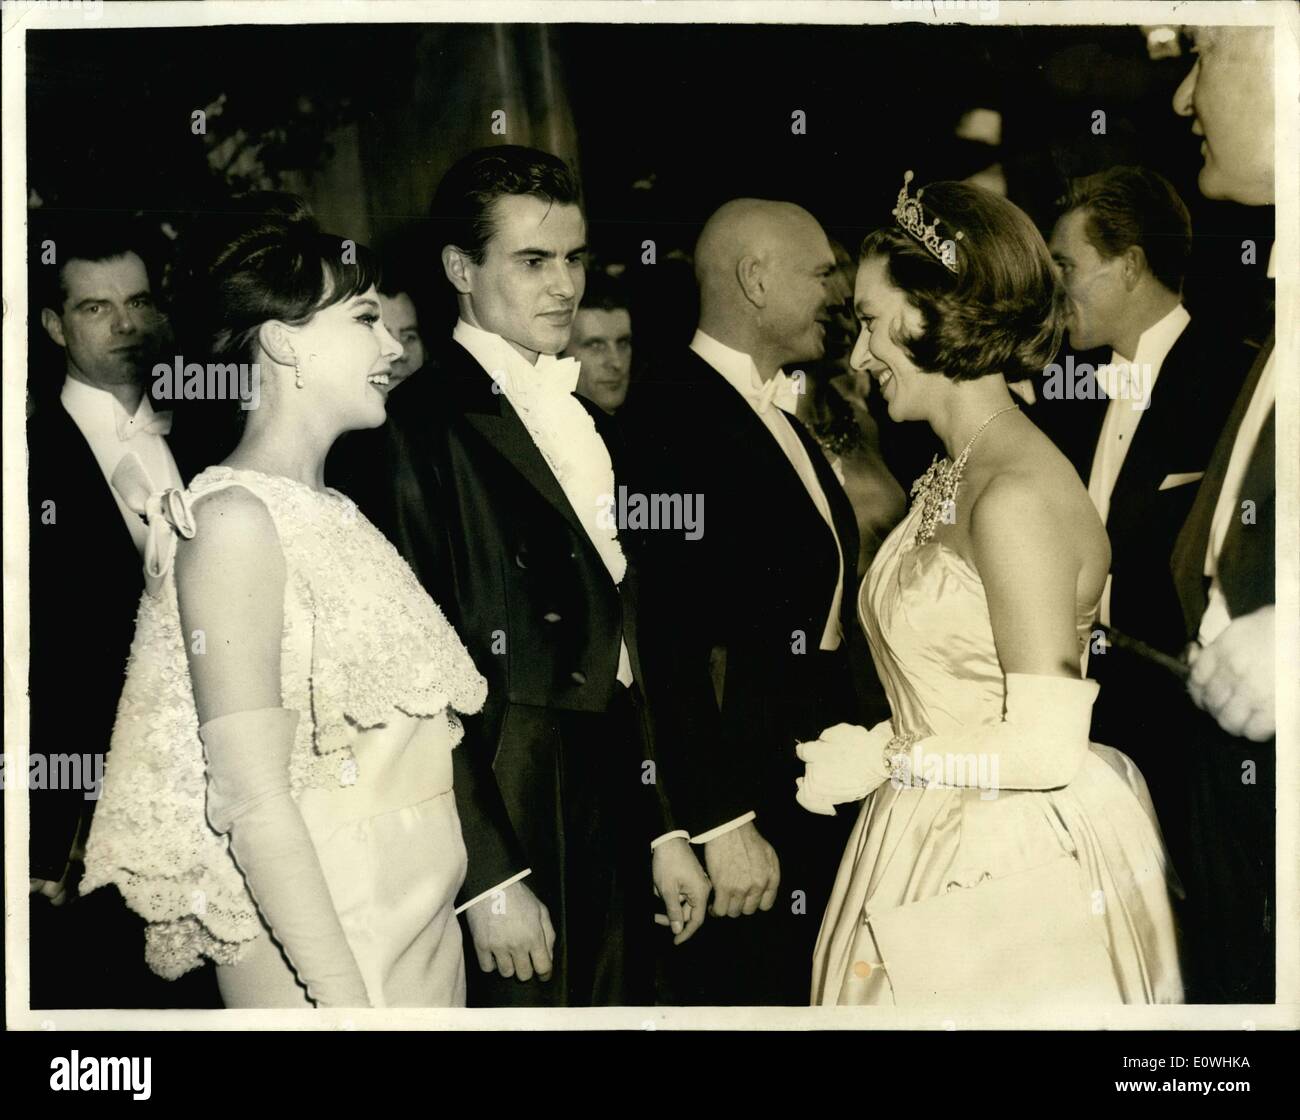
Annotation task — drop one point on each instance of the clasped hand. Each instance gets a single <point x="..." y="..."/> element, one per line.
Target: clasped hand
<point x="684" y="887"/>
<point x="512" y="933"/>
<point x="744" y="870"/>
<point x="1233" y="677"/>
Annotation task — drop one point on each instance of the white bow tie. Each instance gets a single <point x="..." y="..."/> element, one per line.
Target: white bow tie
<point x="160" y="423"/>
<point x="778" y="390"/>
<point x="558" y="374"/>
<point x="550" y="377"/>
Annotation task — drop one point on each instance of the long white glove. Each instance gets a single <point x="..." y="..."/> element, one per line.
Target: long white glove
<point x="845" y="764"/>
<point x="248" y="797"/>
<point x="1040" y="743"/>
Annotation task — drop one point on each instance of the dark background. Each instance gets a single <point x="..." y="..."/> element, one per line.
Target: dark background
<point x="663" y="122"/>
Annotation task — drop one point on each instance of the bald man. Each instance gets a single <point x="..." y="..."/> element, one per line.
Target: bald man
<point x="748" y="622"/>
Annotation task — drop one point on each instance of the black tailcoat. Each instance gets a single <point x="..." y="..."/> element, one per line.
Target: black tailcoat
<point x="555" y="774"/>
<point x="85" y="588"/>
<point x="734" y="620"/>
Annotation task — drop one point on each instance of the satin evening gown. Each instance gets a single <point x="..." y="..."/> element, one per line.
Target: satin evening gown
<point x="970" y="898"/>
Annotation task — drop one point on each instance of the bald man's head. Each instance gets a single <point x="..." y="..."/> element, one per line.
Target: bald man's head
<point x="762" y="268"/>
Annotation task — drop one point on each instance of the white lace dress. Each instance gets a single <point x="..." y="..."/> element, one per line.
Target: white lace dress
<point x="376" y="674"/>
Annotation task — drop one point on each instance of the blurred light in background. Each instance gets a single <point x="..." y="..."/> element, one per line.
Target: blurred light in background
<point x="1162" y="42"/>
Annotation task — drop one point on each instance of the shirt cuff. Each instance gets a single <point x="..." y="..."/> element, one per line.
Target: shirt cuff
<point x="723" y="829"/>
<point x="492" y="890"/>
<point x="681" y="832"/>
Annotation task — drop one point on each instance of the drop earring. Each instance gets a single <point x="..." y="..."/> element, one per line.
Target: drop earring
<point x="297" y="373"/>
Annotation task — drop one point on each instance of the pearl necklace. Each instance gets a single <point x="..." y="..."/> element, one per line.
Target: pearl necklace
<point x="937" y="488"/>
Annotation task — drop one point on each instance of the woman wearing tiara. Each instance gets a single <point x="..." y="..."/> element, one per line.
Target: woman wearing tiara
<point x="1000" y="859"/>
<point x="278" y="794"/>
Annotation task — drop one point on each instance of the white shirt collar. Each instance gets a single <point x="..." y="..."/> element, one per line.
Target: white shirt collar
<point x="565" y="434"/>
<point x="740" y="371"/>
<point x="1158" y="339"/>
<point x="98" y="411"/>
<point x="735" y="365"/>
<point x="1153" y="347"/>
<point x="490" y="350"/>
<point x="510" y="369"/>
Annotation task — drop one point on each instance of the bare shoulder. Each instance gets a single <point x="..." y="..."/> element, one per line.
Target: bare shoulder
<point x="235" y="503"/>
<point x="234" y="531"/>
<point x="1035" y="510"/>
<point x="230" y="581"/>
<point x="1066" y="496"/>
<point x="1010" y="511"/>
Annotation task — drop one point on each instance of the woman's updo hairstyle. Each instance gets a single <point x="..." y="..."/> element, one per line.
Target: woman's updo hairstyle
<point x="261" y="258"/>
<point x="1002" y="311"/>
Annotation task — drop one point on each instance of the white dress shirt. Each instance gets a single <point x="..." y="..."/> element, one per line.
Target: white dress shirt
<point x="566" y="436"/>
<point x="112" y="433"/>
<point x="1216" y="618"/>
<point x="1129" y="385"/>
<point x="542" y="396"/>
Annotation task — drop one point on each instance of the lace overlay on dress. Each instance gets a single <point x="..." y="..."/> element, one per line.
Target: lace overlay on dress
<point x="361" y="637"/>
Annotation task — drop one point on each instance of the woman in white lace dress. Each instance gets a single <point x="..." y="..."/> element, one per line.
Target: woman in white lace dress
<point x="278" y="796"/>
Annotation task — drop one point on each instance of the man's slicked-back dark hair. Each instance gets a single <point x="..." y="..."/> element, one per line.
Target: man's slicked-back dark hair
<point x="86" y="237"/>
<point x="461" y="212"/>
<point x="1127" y="206"/>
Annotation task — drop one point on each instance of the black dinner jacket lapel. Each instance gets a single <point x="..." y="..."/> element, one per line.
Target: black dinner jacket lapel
<point x="842" y="516"/>
<point x="63" y="463"/>
<point x="744" y="437"/>
<point x="84" y="572"/>
<point x="1199" y="379"/>
<point x="489" y="413"/>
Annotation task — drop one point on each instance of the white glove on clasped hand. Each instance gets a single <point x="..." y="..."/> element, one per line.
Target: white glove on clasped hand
<point x="845" y="764"/>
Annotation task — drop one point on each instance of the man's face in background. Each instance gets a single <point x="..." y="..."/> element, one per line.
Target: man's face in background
<point x="1229" y="92"/>
<point x="109" y="325"/>
<point x="398" y="314"/>
<point x="1094" y="287"/>
<point x="602" y="343"/>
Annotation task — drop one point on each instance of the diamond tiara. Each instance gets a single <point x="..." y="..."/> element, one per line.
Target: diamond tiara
<point x="911" y="217"/>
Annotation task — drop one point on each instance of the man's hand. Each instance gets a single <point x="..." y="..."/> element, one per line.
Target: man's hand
<point x="680" y="881"/>
<point x="1233" y="677"/>
<point x="512" y="933"/>
<point x="744" y="870"/>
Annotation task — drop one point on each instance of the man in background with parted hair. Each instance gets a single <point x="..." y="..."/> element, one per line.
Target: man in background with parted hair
<point x="499" y="474"/>
<point x="1141" y="442"/>
<point x="602" y="343"/>
<point x="401" y="319"/>
<point x="93" y="284"/>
